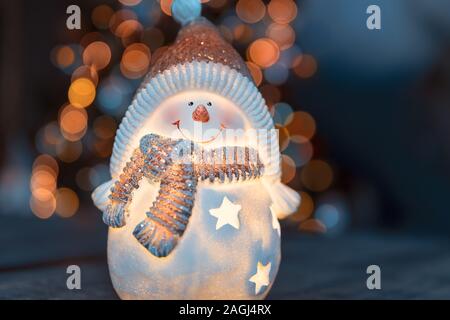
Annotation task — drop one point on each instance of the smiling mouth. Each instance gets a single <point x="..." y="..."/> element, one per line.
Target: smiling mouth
<point x="177" y="124"/>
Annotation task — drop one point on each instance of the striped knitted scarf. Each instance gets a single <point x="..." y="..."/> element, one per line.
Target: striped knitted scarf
<point x="178" y="166"/>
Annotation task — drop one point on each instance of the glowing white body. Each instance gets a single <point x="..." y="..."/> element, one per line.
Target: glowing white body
<point x="207" y="263"/>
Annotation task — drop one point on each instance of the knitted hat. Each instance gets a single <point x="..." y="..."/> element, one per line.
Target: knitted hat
<point x="200" y="59"/>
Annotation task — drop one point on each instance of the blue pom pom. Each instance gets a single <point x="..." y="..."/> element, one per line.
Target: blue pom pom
<point x="185" y="11"/>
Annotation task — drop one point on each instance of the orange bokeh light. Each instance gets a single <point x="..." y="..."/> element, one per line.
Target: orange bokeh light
<point x="46" y="161"/>
<point x="135" y="61"/>
<point x="87" y="72"/>
<point x="67" y="202"/>
<point x="44" y="205"/>
<point x="250" y="11"/>
<point x="42" y="179"/>
<point x="101" y="15"/>
<point x="97" y="54"/>
<point x="129" y="31"/>
<point x="288" y="168"/>
<point x="313" y="226"/>
<point x="282" y="34"/>
<point x="256" y="72"/>
<point x="317" y="175"/>
<point x="301" y="126"/>
<point x="305" y="66"/>
<point x="105" y="127"/>
<point x="282" y="11"/>
<point x="305" y="209"/>
<point x="65" y="56"/>
<point x="271" y="95"/>
<point x="73" y="123"/>
<point x="264" y="52"/>
<point x="166" y="6"/>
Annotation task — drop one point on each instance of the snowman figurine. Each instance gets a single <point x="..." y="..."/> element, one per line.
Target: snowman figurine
<point x="195" y="195"/>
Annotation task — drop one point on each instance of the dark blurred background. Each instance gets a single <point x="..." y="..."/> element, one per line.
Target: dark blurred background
<point x="364" y="120"/>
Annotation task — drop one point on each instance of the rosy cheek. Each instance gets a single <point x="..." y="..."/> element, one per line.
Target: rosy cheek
<point x="171" y="115"/>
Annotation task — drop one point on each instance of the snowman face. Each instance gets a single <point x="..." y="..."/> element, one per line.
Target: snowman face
<point x="199" y="116"/>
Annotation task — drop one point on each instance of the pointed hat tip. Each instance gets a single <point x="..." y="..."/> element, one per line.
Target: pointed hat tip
<point x="185" y="11"/>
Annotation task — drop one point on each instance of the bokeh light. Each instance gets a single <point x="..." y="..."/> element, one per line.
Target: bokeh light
<point x="282" y="34"/>
<point x="101" y="15"/>
<point x="73" y="122"/>
<point x="250" y="11"/>
<point x="166" y="6"/>
<point x="317" y="175"/>
<point x="305" y="209"/>
<point x="264" y="52"/>
<point x="135" y="61"/>
<point x="328" y="215"/>
<point x="87" y="72"/>
<point x="271" y="95"/>
<point x="305" y="66"/>
<point x="129" y="31"/>
<point x="82" y="93"/>
<point x="65" y="56"/>
<point x="282" y="11"/>
<point x="105" y="127"/>
<point x="256" y="72"/>
<point x="130" y="2"/>
<point x="301" y="126"/>
<point x="43" y="206"/>
<point x="120" y="16"/>
<point x="288" y="169"/>
<point x="97" y="54"/>
<point x="312" y="226"/>
<point x="67" y="202"/>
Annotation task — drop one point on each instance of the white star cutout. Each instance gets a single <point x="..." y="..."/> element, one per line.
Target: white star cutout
<point x="227" y="213"/>
<point x="261" y="277"/>
<point x="275" y="222"/>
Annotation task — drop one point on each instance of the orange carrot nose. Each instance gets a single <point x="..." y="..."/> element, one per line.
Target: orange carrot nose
<point x="200" y="114"/>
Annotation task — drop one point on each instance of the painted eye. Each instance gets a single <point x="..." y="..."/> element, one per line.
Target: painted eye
<point x="209" y="104"/>
<point x="190" y="104"/>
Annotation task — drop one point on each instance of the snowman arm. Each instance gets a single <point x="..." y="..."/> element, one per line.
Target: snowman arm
<point x="121" y="192"/>
<point x="285" y="200"/>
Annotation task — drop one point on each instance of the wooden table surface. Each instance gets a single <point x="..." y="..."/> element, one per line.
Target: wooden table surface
<point x="34" y="255"/>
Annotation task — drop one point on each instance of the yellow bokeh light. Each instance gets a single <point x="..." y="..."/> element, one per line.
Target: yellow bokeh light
<point x="82" y="93"/>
